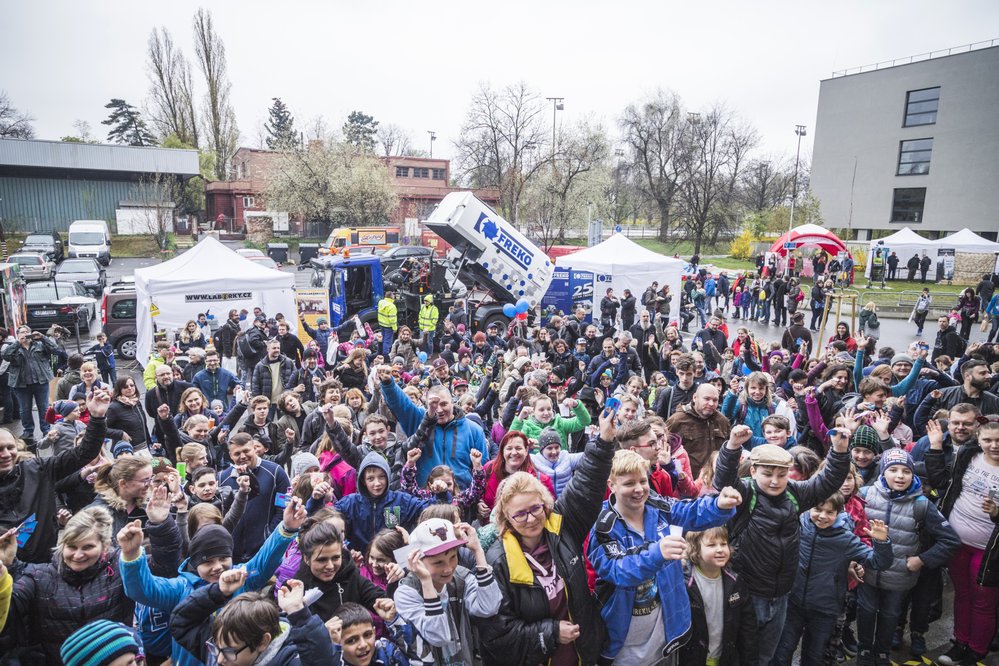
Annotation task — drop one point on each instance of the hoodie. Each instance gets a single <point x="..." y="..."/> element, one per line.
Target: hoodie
<point x="565" y="427"/>
<point x="365" y="514"/>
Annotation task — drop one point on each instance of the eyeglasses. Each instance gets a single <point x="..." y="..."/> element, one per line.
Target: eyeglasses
<point x="521" y="516"/>
<point x="228" y="654"/>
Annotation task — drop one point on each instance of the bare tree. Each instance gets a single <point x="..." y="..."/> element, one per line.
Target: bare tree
<point x="82" y="128"/>
<point x="717" y="146"/>
<point x="554" y="201"/>
<point x="219" y="119"/>
<point x="14" y="124"/>
<point x="394" y="140"/>
<point x="333" y="183"/>
<point x="653" y="131"/>
<point x="503" y="142"/>
<point x="171" y="89"/>
<point x="158" y="195"/>
<point x="765" y="183"/>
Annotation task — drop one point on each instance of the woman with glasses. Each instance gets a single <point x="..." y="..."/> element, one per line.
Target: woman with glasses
<point x="122" y="488"/>
<point x="125" y="413"/>
<point x="81" y="584"/>
<point x="548" y="615"/>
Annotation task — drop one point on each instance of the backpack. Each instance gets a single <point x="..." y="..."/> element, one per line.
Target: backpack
<point x="962" y="346"/>
<point x="741" y="521"/>
<point x="245" y="348"/>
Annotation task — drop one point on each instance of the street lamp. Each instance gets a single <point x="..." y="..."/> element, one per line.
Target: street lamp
<point x="800" y="131"/>
<point x="433" y="137"/>
<point x="557" y="106"/>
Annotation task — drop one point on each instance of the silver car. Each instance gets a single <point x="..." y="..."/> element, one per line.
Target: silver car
<point x="34" y="266"/>
<point x="86" y="271"/>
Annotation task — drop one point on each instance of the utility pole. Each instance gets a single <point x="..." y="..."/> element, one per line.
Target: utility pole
<point x="433" y="137"/>
<point x="800" y="131"/>
<point x="557" y="106"/>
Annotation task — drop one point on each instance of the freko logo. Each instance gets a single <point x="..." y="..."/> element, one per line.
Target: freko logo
<point x="503" y="242"/>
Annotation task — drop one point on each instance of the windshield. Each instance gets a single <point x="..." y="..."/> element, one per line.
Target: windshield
<point x="86" y="238"/>
<point x="49" y="291"/>
<point x="26" y="259"/>
<point x="77" y="266"/>
<point x="38" y="240"/>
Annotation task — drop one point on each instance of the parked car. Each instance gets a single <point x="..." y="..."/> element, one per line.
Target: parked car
<point x="118" y="317"/>
<point x="87" y="271"/>
<point x="265" y="261"/>
<point x="249" y="252"/>
<point x="34" y="265"/>
<point x="393" y="257"/>
<point x="41" y="299"/>
<point x="49" y="244"/>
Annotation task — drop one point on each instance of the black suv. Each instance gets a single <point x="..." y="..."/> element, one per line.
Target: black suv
<point x="49" y="244"/>
<point x="118" y="317"/>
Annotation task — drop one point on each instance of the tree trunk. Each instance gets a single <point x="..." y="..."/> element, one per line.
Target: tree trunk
<point x="663" y="222"/>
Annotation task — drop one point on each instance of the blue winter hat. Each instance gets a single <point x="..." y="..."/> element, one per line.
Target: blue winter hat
<point x="64" y="407"/>
<point x="98" y="644"/>
<point x="896" y="457"/>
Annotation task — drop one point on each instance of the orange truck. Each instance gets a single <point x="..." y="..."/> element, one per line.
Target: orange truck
<point x="360" y="238"/>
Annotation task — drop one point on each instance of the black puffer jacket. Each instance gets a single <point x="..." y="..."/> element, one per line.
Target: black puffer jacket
<point x="347" y="585"/>
<point x="523" y="632"/>
<point x="29" y="488"/>
<point x="766" y="542"/>
<point x="739" y="644"/>
<point x="950" y="486"/>
<point x="50" y="602"/>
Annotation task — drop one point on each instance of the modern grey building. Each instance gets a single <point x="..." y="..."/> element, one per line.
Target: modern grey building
<point x="911" y="143"/>
<point x="45" y="185"/>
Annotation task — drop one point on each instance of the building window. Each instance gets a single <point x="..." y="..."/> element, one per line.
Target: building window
<point x="402" y="172"/>
<point x="438" y="174"/>
<point x="914" y="157"/>
<point x="249" y="202"/>
<point x="907" y="204"/>
<point x="421" y="172"/>
<point x="921" y="107"/>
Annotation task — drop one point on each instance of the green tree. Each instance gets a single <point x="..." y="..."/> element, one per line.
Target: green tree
<point x="360" y="130"/>
<point x="332" y="182"/>
<point x="127" y="125"/>
<point x="192" y="194"/>
<point x="281" y="127"/>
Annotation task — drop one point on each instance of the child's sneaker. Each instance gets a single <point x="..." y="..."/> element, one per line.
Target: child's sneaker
<point x="972" y="659"/>
<point x="954" y="656"/>
<point x="896" y="639"/>
<point x="917" y="644"/>
<point x="865" y="658"/>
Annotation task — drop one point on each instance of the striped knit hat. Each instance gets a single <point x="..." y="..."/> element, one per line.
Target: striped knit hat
<point x="98" y="644"/>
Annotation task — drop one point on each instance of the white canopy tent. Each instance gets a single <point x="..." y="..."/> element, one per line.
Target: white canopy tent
<point x="967" y="240"/>
<point x="904" y="243"/>
<point x="212" y="277"/>
<point x="620" y="263"/>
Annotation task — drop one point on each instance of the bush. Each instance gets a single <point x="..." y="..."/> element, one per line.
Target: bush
<point x="742" y="246"/>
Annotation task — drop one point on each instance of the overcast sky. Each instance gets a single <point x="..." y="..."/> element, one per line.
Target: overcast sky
<point x="417" y="64"/>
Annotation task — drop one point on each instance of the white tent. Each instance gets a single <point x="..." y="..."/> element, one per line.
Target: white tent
<point x="904" y="243"/>
<point x="620" y="263"/>
<point x="967" y="240"/>
<point x="212" y="277"/>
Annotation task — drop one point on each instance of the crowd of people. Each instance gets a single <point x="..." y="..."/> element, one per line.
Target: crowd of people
<point x="559" y="491"/>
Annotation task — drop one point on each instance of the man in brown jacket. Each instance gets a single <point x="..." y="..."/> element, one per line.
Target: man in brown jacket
<point x="702" y="426"/>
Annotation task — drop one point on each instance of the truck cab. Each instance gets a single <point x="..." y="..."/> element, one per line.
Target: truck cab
<point x="353" y="282"/>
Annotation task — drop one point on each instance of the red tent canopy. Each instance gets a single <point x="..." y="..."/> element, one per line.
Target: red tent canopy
<point x="810" y="234"/>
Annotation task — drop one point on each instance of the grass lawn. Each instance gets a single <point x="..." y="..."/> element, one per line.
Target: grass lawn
<point x="142" y="245"/>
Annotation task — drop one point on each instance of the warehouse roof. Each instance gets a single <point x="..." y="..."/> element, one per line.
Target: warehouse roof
<point x="97" y="157"/>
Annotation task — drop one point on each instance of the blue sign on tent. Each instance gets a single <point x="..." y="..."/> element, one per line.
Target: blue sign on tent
<point x="790" y="246"/>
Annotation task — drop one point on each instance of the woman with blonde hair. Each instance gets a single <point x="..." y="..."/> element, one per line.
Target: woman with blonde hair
<point x="353" y="372"/>
<point x="191" y="336"/>
<point x="81" y="584"/>
<point x="90" y="378"/>
<point x="123" y="488"/>
<point x="192" y="401"/>
<point x="548" y="613"/>
<point x="869" y="324"/>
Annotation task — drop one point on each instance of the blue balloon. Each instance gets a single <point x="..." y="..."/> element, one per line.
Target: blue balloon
<point x="509" y="310"/>
<point x="523" y="306"/>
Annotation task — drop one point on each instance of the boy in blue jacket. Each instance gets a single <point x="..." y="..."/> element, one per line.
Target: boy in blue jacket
<point x="828" y="545"/>
<point x="454" y="436"/>
<point x="635" y="549"/>
<point x="210" y="554"/>
<point x="374" y="507"/>
<point x="355" y="642"/>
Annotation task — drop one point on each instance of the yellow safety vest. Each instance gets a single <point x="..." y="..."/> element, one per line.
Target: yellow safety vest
<point x="428" y="317"/>
<point x="387" y="314"/>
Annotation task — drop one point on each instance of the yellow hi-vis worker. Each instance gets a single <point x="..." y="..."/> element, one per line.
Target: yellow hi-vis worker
<point x="427" y="322"/>
<point x="388" y="321"/>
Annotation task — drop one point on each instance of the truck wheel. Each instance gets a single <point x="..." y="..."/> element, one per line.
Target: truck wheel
<point x="500" y="320"/>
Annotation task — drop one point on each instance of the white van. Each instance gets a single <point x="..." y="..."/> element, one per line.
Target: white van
<point x="90" y="239"/>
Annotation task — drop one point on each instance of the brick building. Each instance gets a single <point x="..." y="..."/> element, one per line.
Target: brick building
<point x="420" y="182"/>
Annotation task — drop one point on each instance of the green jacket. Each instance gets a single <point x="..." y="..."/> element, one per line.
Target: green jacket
<point x="38" y="354"/>
<point x="565" y="427"/>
